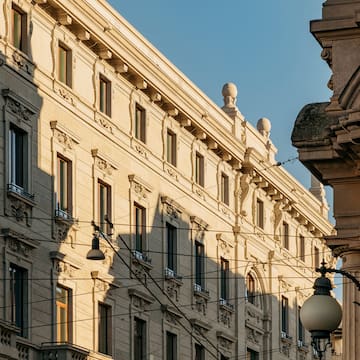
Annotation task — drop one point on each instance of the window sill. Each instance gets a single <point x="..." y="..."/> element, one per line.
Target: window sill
<point x="286" y="338"/>
<point x="171" y="276"/>
<point x="64" y="217"/>
<point x="141" y="259"/>
<point x="200" y="292"/>
<point x="19" y="193"/>
<point x="225" y="305"/>
<point x="302" y="346"/>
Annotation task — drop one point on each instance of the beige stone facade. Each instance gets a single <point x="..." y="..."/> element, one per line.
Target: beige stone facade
<point x="214" y="244"/>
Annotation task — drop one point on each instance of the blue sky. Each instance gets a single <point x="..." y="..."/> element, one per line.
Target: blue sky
<point x="264" y="47"/>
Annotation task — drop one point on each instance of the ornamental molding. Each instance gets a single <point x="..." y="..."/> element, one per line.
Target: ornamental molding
<point x="62" y="264"/>
<point x="200" y="327"/>
<point x="63" y="136"/>
<point x="139" y="186"/>
<point x="225" y="246"/>
<point x="102" y="163"/>
<point x="171" y="207"/>
<point x="102" y="284"/>
<point x="18" y="106"/>
<point x="199" y="227"/>
<point x="19" y="243"/>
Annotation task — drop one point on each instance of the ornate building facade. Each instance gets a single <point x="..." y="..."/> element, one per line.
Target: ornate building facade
<point x="210" y="244"/>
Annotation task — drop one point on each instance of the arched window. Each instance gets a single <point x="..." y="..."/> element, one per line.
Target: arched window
<point x="250" y="289"/>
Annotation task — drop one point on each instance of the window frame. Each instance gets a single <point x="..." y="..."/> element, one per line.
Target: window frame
<point x="171" y="345"/>
<point x="302" y="247"/>
<point x="251" y="289"/>
<point x="63" y="326"/>
<point x="20" y="43"/>
<point x="18" y="158"/>
<point x="285" y="315"/>
<point x="104" y="95"/>
<point x="260" y="218"/>
<point x="140" y="340"/>
<point x="199" y="169"/>
<point x="199" y="352"/>
<point x="316" y="257"/>
<point x="171" y="147"/>
<point x="224" y="188"/>
<point x="104" y="328"/>
<point x="171" y="242"/>
<point x="139" y="228"/>
<point x="65" y="76"/>
<point x="140" y="123"/>
<point x="19" y="297"/>
<point x="224" y="279"/>
<point x="64" y="181"/>
<point x="104" y="226"/>
<point x="285" y="235"/>
<point x="200" y="264"/>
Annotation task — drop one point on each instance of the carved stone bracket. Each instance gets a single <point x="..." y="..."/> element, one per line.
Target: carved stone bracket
<point x="172" y="287"/>
<point x="201" y="301"/>
<point x="253" y="336"/>
<point x="225" y="315"/>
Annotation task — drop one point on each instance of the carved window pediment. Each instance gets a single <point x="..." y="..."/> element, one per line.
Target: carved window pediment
<point x="102" y="163"/>
<point x="139" y="186"/>
<point x="63" y="136"/>
<point x="18" y="107"/>
<point x="171" y="207"/>
<point x="18" y="243"/>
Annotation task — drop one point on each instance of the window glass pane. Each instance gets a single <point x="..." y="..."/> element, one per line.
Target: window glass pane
<point x="64" y="185"/>
<point x="18" y="157"/>
<point x="19" y="298"/>
<point x="62" y="314"/>
<point x="18" y="25"/>
<point x="139" y="228"/>
<point x="172" y="246"/>
<point x="199" y="265"/>
<point x="224" y="278"/>
<point x="139" y="339"/>
<point x="105" y="338"/>
<point x="199" y="169"/>
<point x="140" y="123"/>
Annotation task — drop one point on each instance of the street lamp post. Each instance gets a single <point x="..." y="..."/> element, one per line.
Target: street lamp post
<point x="321" y="314"/>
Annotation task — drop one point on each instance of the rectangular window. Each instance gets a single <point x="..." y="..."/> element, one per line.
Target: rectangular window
<point x="224" y="279"/>
<point x="199" y="169"/>
<point x="139" y="339"/>
<point x="171" y="346"/>
<point x="199" y="265"/>
<point x="171" y="148"/>
<point x="140" y="228"/>
<point x="64" y="186"/>
<point x="252" y="355"/>
<point x="302" y="248"/>
<point x="224" y="191"/>
<point x="140" y="123"/>
<point x="199" y="352"/>
<point x="105" y="334"/>
<point x="171" y="246"/>
<point x="301" y="330"/>
<point x="285" y="235"/>
<point x="62" y="314"/>
<point x="18" y="158"/>
<point x="19" y="298"/>
<point x="104" y="193"/>
<point x="19" y="28"/>
<point x="316" y="257"/>
<point x="259" y="213"/>
<point x="105" y="96"/>
<point x="65" y="65"/>
<point x="284" y="315"/>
